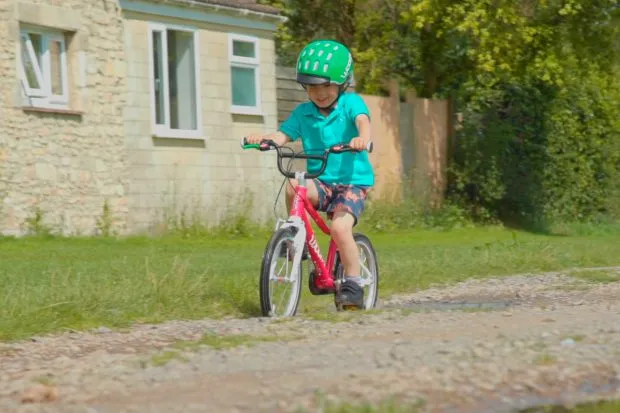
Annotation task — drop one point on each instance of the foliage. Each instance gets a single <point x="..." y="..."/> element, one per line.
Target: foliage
<point x="536" y="82"/>
<point x="532" y="152"/>
<point x="35" y="225"/>
<point x="105" y="223"/>
<point x="311" y="19"/>
<point x="591" y="407"/>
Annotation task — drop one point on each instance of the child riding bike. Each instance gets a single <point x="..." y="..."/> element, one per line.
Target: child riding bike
<point x="325" y="69"/>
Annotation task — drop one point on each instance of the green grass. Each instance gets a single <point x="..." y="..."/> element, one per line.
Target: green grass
<point x="223" y="342"/>
<point x="598" y="276"/>
<point x="390" y="405"/>
<point x="214" y="341"/>
<point x="166" y="357"/>
<point x="597" y="407"/>
<point x="545" y="360"/>
<point x="51" y="284"/>
<point x="396" y="407"/>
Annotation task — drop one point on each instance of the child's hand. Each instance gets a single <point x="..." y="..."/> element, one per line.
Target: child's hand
<point x="253" y="139"/>
<point x="359" y="144"/>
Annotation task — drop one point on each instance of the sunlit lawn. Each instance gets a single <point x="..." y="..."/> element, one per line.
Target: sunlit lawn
<point x="50" y="284"/>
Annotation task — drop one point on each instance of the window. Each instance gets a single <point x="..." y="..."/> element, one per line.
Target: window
<point x="174" y="82"/>
<point x="44" y="68"/>
<point x="244" y="73"/>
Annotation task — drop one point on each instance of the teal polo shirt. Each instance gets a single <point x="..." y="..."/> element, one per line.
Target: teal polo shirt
<point x="319" y="132"/>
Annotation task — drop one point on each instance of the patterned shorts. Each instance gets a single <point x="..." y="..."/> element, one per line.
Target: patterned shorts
<point x="348" y="198"/>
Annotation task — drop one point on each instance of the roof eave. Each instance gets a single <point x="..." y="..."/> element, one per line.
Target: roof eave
<point x="237" y="10"/>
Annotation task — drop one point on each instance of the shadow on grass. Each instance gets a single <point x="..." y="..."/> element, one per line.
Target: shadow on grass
<point x="533" y="228"/>
<point x="249" y="308"/>
<point x="596" y="227"/>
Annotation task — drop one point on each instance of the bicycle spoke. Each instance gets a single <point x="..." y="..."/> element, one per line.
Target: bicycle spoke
<point x="282" y="278"/>
<point x="281" y="298"/>
<point x="364" y="267"/>
<point x="280" y="286"/>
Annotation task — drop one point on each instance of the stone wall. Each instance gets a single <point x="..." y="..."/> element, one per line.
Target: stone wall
<point x="67" y="163"/>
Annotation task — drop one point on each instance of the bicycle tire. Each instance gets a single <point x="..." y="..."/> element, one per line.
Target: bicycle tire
<point x="361" y="239"/>
<point x="272" y="251"/>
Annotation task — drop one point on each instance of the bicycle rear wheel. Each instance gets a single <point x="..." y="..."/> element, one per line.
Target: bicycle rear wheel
<point x="277" y="271"/>
<point x="369" y="270"/>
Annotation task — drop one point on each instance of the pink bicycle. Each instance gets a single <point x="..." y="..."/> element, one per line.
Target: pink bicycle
<point x="283" y="256"/>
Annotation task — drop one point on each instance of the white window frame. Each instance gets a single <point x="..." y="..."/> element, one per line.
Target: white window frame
<point x="250" y="63"/>
<point x="164" y="130"/>
<point x="43" y="97"/>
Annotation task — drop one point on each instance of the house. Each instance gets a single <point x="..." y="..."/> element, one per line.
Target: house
<point x="137" y="106"/>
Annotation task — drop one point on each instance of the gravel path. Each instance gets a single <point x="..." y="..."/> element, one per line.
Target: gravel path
<point x="504" y="344"/>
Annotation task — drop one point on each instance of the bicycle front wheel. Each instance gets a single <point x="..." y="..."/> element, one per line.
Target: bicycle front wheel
<point x="280" y="285"/>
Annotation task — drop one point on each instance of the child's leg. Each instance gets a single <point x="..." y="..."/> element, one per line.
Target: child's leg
<point x="346" y="206"/>
<point x="342" y="233"/>
<point x="313" y="194"/>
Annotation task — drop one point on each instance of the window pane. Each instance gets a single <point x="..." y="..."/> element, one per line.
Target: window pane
<point x="243" y="49"/>
<point x="181" y="80"/>
<point x="243" y="86"/>
<point x="37" y="45"/>
<point x="158" y="78"/>
<point x="28" y="65"/>
<point x="56" y="50"/>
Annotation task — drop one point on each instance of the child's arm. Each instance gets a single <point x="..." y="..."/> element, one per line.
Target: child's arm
<point x="278" y="137"/>
<point x="363" y="126"/>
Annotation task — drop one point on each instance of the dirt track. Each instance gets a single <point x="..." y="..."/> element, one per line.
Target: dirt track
<point x="508" y="343"/>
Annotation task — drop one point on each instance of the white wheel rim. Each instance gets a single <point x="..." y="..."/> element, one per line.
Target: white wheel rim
<point x="280" y="274"/>
<point x="367" y="272"/>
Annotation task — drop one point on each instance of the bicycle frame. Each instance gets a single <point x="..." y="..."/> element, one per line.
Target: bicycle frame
<point x="301" y="208"/>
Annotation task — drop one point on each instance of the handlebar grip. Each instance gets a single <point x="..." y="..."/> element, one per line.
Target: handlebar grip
<point x="339" y="148"/>
<point x="246" y="145"/>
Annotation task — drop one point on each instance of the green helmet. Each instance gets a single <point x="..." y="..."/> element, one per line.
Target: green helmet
<point x="324" y="61"/>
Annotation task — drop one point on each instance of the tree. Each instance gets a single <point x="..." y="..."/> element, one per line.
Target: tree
<point x="313" y="19"/>
<point x="537" y="81"/>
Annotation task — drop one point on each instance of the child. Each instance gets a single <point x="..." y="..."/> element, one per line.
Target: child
<point x="324" y="69"/>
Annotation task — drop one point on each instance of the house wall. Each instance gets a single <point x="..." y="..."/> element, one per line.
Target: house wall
<point x="203" y="179"/>
<point x="68" y="163"/>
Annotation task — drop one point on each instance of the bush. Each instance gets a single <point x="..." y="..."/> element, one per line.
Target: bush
<point x="531" y="153"/>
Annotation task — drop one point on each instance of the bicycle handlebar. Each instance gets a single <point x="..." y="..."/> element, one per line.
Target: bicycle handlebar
<point x="268" y="145"/>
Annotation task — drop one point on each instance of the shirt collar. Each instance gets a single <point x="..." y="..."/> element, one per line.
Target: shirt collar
<point x="314" y="111"/>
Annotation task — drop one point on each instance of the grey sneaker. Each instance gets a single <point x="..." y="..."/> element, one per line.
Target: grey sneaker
<point x="350" y="295"/>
